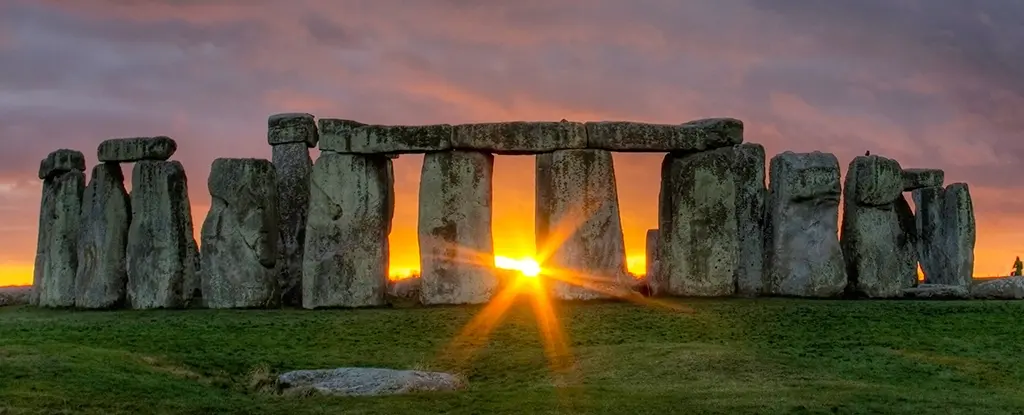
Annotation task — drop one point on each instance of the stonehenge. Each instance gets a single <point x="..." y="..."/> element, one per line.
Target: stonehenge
<point x="291" y="231"/>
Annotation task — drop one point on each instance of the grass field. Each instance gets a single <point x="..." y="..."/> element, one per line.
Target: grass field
<point x="726" y="356"/>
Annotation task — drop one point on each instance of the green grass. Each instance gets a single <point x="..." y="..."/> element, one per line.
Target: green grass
<point x="727" y="356"/>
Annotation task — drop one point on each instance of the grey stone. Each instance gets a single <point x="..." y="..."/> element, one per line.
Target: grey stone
<point x="906" y="241"/>
<point x="360" y="381"/>
<point x="136" y="149"/>
<point x="346" y="136"/>
<point x="47" y="213"/>
<point x="873" y="237"/>
<point x="407" y="288"/>
<point x="240" y="235"/>
<point x="456" y="247"/>
<point x="578" y="230"/>
<point x="61" y="264"/>
<point x="928" y="219"/>
<point x="699" y="234"/>
<point x="914" y="179"/>
<point x="698" y="135"/>
<point x="345" y="263"/>
<point x="1006" y="288"/>
<point x="11" y="296"/>
<point x="293" y="166"/>
<point x="520" y="137"/>
<point x="750" y="210"/>
<point x="286" y="128"/>
<point x="937" y="292"/>
<point x="803" y="255"/>
<point x="959" y="234"/>
<point x="60" y="162"/>
<point x="102" y="276"/>
<point x="651" y="263"/>
<point x="161" y="253"/>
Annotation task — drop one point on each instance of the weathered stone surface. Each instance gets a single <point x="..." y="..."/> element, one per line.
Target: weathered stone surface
<point x="345" y="262"/>
<point x="928" y="220"/>
<point x="293" y="166"/>
<point x="364" y="381"/>
<point x="11" y="296"/>
<point x="136" y="149"/>
<point x="577" y="222"/>
<point x="914" y="179"/>
<point x="906" y="241"/>
<point x="60" y="162"/>
<point x="102" y="276"/>
<point x="803" y="255"/>
<point x="346" y="136"/>
<point x="240" y="235"/>
<point x="456" y="247"/>
<point x="699" y="234"/>
<point x="936" y="292"/>
<point x="651" y="262"/>
<point x="873" y="238"/>
<point x="47" y="213"/>
<point x="1006" y="288"/>
<point x="161" y="244"/>
<point x="695" y="135"/>
<point x="959" y="234"/>
<point x="288" y="128"/>
<point x="407" y="288"/>
<point x="750" y="209"/>
<point x="61" y="264"/>
<point x="520" y="137"/>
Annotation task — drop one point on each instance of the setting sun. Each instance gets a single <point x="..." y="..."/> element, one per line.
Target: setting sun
<point x="526" y="266"/>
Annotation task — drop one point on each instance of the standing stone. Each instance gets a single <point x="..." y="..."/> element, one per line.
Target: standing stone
<point x="906" y="242"/>
<point x="161" y="253"/>
<point x="61" y="253"/>
<point x="345" y="262"/>
<point x="699" y="235"/>
<point x="803" y="255"/>
<point x="928" y="221"/>
<point x="456" y="247"/>
<point x="293" y="166"/>
<point x="750" y="205"/>
<point x="47" y="213"/>
<point x="106" y="216"/>
<point x="959" y="234"/>
<point x="578" y="225"/>
<point x="240" y="235"/>
<point x="872" y="234"/>
<point x="652" y="257"/>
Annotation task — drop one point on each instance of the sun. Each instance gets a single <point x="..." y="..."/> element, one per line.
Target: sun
<point x="528" y="267"/>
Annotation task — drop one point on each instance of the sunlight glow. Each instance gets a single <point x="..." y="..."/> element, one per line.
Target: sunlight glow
<point x="527" y="266"/>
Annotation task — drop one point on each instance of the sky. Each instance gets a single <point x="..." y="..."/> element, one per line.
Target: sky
<point x="931" y="83"/>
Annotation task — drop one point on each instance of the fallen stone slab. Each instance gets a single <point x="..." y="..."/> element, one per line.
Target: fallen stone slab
<point x="454" y="228"/>
<point x="129" y="150"/>
<point x="520" y="137"/>
<point x="240" y="235"/>
<point x="1007" y="288"/>
<point x="578" y="225"/>
<point x="698" y="135"/>
<point x="57" y="288"/>
<point x="11" y="296"/>
<point x="60" y="162"/>
<point x="914" y="179"/>
<point x="293" y="166"/>
<point x="358" y="381"/>
<point x="102" y="277"/>
<point x="288" y="128"/>
<point x="347" y="136"/>
<point x="345" y="263"/>
<point x="803" y="254"/>
<point x="936" y="292"/>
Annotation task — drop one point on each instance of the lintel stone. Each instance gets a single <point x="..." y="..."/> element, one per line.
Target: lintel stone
<point x="520" y="137"/>
<point x="914" y="179"/>
<point x="119" y="150"/>
<point x="347" y="136"/>
<point x="697" y="135"/>
<point x="292" y="128"/>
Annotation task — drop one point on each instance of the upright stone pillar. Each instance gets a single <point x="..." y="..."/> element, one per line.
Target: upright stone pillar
<point x="750" y="210"/>
<point x="63" y="185"/>
<point x="291" y="136"/>
<point x="240" y="236"/>
<point x="959" y="234"/>
<point x="106" y="216"/>
<point x="651" y="271"/>
<point x="345" y="261"/>
<point x="873" y="240"/>
<point x="930" y="242"/>
<point x="456" y="247"/>
<point x="577" y="224"/>
<point x="803" y="255"/>
<point x="162" y="254"/>
<point x="906" y="243"/>
<point x="699" y="231"/>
